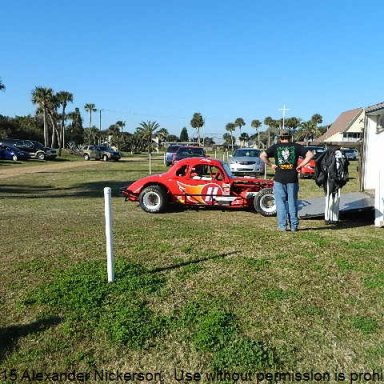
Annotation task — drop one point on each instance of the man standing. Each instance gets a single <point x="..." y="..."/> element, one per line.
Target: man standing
<point x="286" y="182"/>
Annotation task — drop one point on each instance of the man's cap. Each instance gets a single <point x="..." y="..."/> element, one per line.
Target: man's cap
<point x="285" y="135"/>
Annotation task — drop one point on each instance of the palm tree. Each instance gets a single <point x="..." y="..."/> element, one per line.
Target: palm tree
<point x="146" y="130"/>
<point x="257" y="124"/>
<point x="63" y="98"/>
<point x="230" y="127"/>
<point x="227" y="139"/>
<point x="120" y="124"/>
<point x="197" y="123"/>
<point x="292" y="123"/>
<point x="90" y="108"/>
<point x="272" y="127"/>
<point x="162" y="135"/>
<point x="307" y="130"/>
<point x="43" y="97"/>
<point x="54" y="117"/>
<point x="239" y="122"/>
<point x="317" y="119"/>
<point x="2" y="86"/>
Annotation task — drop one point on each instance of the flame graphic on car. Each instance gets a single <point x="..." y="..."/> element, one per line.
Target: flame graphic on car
<point x="198" y="194"/>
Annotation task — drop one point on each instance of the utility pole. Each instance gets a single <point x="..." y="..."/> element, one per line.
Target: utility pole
<point x="100" y="124"/>
<point x="100" y="118"/>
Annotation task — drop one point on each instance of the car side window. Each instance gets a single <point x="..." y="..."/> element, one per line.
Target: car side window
<point x="27" y="144"/>
<point x="181" y="171"/>
<point x="198" y="172"/>
<point x="216" y="173"/>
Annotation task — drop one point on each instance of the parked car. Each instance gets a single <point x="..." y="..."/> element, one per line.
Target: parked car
<point x="350" y="153"/>
<point x="316" y="149"/>
<point x="308" y="171"/>
<point x="12" y="153"/>
<point x="201" y="182"/>
<point x="168" y="156"/>
<point x="35" y="149"/>
<point x="246" y="161"/>
<point x="100" y="152"/>
<point x="187" y="151"/>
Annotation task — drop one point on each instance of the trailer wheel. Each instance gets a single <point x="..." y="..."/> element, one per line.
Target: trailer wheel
<point x="153" y="199"/>
<point x="264" y="203"/>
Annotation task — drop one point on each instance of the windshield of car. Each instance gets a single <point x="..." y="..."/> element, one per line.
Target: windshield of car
<point x="246" y="153"/>
<point x="173" y="148"/>
<point x="227" y="170"/>
<point x="190" y="151"/>
<point x="35" y="144"/>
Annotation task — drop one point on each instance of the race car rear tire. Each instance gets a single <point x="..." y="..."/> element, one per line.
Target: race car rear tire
<point x="153" y="199"/>
<point x="264" y="202"/>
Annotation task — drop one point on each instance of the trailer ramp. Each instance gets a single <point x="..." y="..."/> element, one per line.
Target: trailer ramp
<point x="349" y="202"/>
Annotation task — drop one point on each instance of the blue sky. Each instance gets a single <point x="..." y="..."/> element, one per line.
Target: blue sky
<point x="164" y="60"/>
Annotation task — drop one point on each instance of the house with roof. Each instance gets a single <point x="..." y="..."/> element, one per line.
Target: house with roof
<point x="372" y="158"/>
<point x="346" y="131"/>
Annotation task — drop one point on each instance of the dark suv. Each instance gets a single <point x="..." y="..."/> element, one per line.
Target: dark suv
<point x="34" y="149"/>
<point x="186" y="151"/>
<point x="169" y="154"/>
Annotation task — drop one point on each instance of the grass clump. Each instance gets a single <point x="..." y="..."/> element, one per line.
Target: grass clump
<point x="134" y="325"/>
<point x="375" y="281"/>
<point x="244" y="354"/>
<point x="84" y="299"/>
<point x="217" y="332"/>
<point x="214" y="329"/>
<point x="365" y="324"/>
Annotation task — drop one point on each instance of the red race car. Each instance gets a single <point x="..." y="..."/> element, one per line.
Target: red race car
<point x="201" y="182"/>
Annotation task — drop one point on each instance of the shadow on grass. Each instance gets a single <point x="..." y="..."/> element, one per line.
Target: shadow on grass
<point x="352" y="219"/>
<point x="94" y="189"/>
<point x="9" y="336"/>
<point x="191" y="262"/>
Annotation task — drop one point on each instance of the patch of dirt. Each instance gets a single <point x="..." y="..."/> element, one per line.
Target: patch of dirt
<point x="11" y="170"/>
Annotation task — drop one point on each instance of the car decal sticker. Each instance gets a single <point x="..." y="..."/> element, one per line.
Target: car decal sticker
<point x="198" y="194"/>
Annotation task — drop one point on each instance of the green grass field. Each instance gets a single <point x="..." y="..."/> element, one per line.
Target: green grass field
<point x="202" y="291"/>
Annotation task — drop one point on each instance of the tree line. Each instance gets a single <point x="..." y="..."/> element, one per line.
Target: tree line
<point x="53" y="125"/>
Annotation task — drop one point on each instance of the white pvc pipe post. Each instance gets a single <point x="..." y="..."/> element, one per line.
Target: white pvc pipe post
<point x="108" y="232"/>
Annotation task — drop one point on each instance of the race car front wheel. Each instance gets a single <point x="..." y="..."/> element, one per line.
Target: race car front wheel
<point x="153" y="199"/>
<point x="264" y="202"/>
